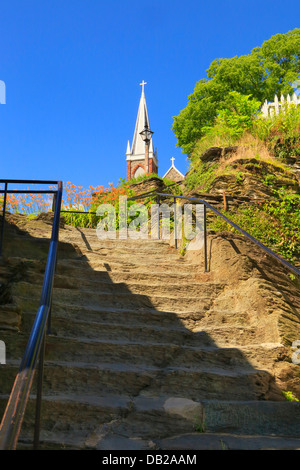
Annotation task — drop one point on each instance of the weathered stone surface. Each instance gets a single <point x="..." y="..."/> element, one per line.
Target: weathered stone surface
<point x="147" y="349"/>
<point x="214" y="154"/>
<point x="188" y="409"/>
<point x="146" y="185"/>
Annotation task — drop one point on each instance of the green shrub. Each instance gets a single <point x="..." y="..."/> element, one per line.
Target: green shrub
<point x="275" y="223"/>
<point x="281" y="132"/>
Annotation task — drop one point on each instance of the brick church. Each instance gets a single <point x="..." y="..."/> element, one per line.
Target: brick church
<point x="135" y="155"/>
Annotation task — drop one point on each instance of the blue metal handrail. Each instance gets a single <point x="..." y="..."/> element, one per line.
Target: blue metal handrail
<point x="16" y="406"/>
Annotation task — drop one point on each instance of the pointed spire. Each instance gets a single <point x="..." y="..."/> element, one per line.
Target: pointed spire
<point x="138" y="146"/>
<point x="128" y="151"/>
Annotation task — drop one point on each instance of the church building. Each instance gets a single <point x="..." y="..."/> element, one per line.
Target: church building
<point x="174" y="174"/>
<point x="140" y="156"/>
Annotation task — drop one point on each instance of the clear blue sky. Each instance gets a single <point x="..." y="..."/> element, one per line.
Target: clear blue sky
<point x="72" y="70"/>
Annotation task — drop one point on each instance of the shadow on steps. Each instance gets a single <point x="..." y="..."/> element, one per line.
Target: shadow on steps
<point x="119" y="362"/>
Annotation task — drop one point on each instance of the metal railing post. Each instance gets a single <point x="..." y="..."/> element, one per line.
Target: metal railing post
<point x="175" y="222"/>
<point x="158" y="230"/>
<point x="54" y="202"/>
<point x="205" y="239"/>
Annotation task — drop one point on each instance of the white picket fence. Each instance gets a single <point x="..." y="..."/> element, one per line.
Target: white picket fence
<point x="269" y="109"/>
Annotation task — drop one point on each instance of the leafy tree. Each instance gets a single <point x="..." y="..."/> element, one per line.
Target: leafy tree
<point x="268" y="70"/>
<point x="236" y="117"/>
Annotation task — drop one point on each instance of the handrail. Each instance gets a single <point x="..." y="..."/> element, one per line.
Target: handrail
<point x="16" y="406"/>
<point x="209" y="206"/>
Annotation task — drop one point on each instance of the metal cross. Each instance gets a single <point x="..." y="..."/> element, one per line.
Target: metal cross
<point x="143" y="83"/>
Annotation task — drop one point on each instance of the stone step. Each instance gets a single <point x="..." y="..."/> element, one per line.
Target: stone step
<point x="142" y="316"/>
<point x="31" y="294"/>
<point x="131" y="250"/>
<point x="86" y="412"/>
<point x="148" y="266"/>
<point x="217" y="442"/>
<point x="145" y="328"/>
<point x="169" y="422"/>
<point x="80" y="269"/>
<point x="197" y="383"/>
<point x="221" y="335"/>
<point x="136" y="286"/>
<point x="183" y="443"/>
<point x="173" y="333"/>
<point x="83" y="235"/>
<point x="154" y="418"/>
<point x="216" y="317"/>
<point x="172" y="345"/>
<point x="231" y="335"/>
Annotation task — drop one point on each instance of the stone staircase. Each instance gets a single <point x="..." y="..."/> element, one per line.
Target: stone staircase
<point x="143" y="352"/>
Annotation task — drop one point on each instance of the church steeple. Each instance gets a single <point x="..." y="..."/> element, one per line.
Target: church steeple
<point x="135" y="155"/>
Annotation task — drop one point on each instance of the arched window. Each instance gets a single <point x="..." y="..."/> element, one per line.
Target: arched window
<point x="138" y="171"/>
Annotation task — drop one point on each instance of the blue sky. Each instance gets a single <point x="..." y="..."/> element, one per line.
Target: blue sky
<point x="72" y="70"/>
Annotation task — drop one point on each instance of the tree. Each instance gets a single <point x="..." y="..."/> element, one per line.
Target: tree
<point x="236" y="117"/>
<point x="268" y="70"/>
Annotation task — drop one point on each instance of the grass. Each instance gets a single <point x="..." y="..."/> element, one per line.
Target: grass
<point x="289" y="396"/>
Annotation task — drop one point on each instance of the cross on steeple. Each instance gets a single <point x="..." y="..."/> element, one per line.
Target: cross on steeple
<point x="172" y="159"/>
<point x="143" y="84"/>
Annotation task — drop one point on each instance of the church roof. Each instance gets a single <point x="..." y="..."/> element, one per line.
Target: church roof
<point x="173" y="173"/>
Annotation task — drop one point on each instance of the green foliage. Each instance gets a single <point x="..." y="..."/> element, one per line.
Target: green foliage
<point x="80" y="220"/>
<point x="289" y="396"/>
<point x="201" y="175"/>
<point x="280" y="132"/>
<point x="239" y="177"/>
<point x="238" y="116"/>
<point x="275" y="223"/>
<point x="31" y="216"/>
<point x="268" y="70"/>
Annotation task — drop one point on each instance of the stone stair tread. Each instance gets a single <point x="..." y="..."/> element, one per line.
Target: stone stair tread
<point x="94" y="312"/>
<point x="84" y="285"/>
<point x="204" y="347"/>
<point x="222" y="441"/>
<point x="145" y="368"/>
<point x="106" y="401"/>
<point x="185" y="442"/>
<point x="85" y="290"/>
